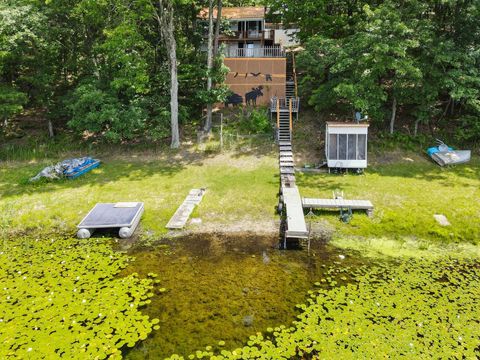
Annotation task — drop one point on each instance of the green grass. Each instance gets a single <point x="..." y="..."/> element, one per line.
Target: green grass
<point x="406" y="194"/>
<point x="242" y="187"/>
<point x="237" y="189"/>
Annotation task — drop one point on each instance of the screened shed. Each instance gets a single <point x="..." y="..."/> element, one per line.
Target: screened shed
<point x="346" y="145"/>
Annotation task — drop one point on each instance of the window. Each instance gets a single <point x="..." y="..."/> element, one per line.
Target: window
<point x="362" y="147"/>
<point x="352" y="147"/>
<point x="342" y="147"/>
<point x="332" y="147"/>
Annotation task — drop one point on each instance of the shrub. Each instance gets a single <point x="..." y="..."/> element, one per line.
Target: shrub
<point x="98" y="111"/>
<point x="255" y="122"/>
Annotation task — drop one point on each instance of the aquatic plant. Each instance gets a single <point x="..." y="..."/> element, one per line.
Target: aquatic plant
<point x="414" y="309"/>
<point x="62" y="298"/>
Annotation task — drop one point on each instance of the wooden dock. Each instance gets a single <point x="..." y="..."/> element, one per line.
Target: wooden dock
<point x="309" y="203"/>
<point x="296" y="226"/>
<point x="181" y="216"/>
<point x="290" y="199"/>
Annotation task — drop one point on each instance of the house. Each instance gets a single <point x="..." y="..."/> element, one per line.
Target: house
<point x="255" y="53"/>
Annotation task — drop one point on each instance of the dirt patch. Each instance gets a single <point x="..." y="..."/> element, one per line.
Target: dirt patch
<point x="245" y="226"/>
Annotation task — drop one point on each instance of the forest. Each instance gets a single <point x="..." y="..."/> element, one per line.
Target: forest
<point x="103" y="69"/>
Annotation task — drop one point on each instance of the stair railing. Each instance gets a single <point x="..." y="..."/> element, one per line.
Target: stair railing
<point x="278" y="119"/>
<point x="295" y="75"/>
<point x="291" y="119"/>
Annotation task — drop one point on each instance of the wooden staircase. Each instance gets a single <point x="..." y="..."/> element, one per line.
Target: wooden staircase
<point x="284" y="126"/>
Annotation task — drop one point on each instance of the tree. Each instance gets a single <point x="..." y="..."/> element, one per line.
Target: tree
<point x="210" y="53"/>
<point x="414" y="59"/>
<point x="11" y="103"/>
<point x="164" y="15"/>
<point x="218" y="24"/>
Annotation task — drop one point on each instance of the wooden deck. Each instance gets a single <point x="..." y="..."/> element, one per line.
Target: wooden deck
<point x="310" y="203"/>
<point x="181" y="216"/>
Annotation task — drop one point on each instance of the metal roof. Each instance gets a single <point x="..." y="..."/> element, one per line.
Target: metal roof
<point x="237" y="13"/>
<point x="346" y="124"/>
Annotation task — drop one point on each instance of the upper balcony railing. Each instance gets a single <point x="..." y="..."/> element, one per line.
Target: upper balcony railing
<point x="285" y="104"/>
<point x="263" y="52"/>
<point x="250" y="35"/>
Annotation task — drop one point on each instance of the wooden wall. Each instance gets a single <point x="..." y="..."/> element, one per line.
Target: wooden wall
<point x="251" y="73"/>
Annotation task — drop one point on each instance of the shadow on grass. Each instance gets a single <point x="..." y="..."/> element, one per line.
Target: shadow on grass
<point x="431" y="172"/>
<point x="14" y="178"/>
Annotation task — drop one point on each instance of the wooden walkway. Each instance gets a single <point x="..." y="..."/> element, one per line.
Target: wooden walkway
<point x="296" y="226"/>
<point x="310" y="203"/>
<point x="181" y="216"/>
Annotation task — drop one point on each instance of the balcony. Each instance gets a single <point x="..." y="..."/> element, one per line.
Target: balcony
<point x="263" y="52"/>
<point x="248" y="35"/>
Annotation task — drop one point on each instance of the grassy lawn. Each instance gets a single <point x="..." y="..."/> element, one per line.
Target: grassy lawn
<point x="242" y="187"/>
<point x="406" y="194"/>
<point x="239" y="188"/>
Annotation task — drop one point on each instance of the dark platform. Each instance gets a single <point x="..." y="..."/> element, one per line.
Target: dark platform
<point x="112" y="215"/>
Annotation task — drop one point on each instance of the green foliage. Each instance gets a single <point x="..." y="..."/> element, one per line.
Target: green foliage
<point x="363" y="55"/>
<point x="51" y="49"/>
<point x="254" y="121"/>
<point x="63" y="298"/>
<point x="11" y="102"/>
<point x="101" y="113"/>
<point x="415" y="308"/>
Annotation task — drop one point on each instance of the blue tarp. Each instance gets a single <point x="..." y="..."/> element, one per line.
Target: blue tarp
<point x="436" y="149"/>
<point x="70" y="168"/>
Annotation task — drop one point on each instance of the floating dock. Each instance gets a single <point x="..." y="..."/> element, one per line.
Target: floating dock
<point x="123" y="215"/>
<point x="309" y="203"/>
<point x="181" y="216"/>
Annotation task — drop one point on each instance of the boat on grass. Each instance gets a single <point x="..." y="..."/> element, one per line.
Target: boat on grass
<point x="445" y="155"/>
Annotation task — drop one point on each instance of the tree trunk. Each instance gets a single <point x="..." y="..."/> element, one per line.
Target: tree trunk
<point x="164" y="15"/>
<point x="394" y="114"/>
<point x="217" y="27"/>
<point x="174" y="92"/>
<point x="50" y="128"/>
<point x="415" y="129"/>
<point x="208" y="122"/>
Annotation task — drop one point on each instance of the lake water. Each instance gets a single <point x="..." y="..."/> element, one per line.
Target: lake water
<point x="225" y="288"/>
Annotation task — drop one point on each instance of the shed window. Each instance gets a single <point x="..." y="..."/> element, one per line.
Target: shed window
<point x="332" y="147"/>
<point x="342" y="147"/>
<point x="362" y="147"/>
<point x="352" y="147"/>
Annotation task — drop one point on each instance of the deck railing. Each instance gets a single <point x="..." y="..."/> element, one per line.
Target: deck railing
<point x="249" y="35"/>
<point x="263" y="52"/>
<point x="285" y="104"/>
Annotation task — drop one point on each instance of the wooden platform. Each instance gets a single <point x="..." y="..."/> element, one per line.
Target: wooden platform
<point x="181" y="216"/>
<point x="310" y="203"/>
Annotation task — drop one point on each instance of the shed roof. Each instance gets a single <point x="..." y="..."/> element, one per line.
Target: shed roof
<point x="346" y="124"/>
<point x="237" y="13"/>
